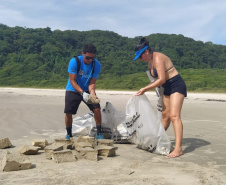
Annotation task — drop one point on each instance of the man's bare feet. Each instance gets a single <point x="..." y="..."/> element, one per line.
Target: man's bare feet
<point x="175" y="153"/>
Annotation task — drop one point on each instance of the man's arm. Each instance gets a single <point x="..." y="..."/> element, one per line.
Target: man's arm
<point x="74" y="83"/>
<point x="92" y="87"/>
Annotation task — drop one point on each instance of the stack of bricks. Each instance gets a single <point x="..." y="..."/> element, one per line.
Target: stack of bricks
<point x="60" y="151"/>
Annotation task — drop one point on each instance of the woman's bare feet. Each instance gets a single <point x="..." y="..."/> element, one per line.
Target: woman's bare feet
<point x="175" y="153"/>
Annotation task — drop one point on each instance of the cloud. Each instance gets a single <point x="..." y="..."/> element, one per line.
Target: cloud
<point x="198" y="19"/>
<point x="10" y="15"/>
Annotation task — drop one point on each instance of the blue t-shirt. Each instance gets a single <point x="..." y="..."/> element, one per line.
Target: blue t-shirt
<point x="85" y="71"/>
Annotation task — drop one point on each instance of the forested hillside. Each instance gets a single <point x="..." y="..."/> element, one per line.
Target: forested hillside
<point x="39" y="57"/>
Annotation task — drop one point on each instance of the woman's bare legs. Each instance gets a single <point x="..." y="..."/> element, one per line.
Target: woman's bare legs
<point x="166" y="112"/>
<point x="171" y="111"/>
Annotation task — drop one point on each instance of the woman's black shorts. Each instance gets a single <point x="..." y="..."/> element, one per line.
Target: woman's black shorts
<point x="73" y="100"/>
<point x="175" y="84"/>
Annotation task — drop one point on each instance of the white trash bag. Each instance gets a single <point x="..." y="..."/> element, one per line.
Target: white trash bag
<point x="82" y="125"/>
<point x="159" y="93"/>
<point x="111" y="118"/>
<point x="144" y="128"/>
<point x="139" y="125"/>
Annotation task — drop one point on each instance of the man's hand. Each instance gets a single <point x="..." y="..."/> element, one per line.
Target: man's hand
<point x="89" y="98"/>
<point x="93" y="99"/>
<point x="85" y="96"/>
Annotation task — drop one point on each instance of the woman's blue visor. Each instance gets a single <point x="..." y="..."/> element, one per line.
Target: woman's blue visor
<point x="138" y="53"/>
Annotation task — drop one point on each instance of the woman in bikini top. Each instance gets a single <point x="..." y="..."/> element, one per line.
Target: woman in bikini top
<point x="161" y="67"/>
<point x="156" y="73"/>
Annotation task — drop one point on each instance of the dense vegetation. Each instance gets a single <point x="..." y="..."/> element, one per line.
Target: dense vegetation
<point x="211" y="80"/>
<point x="39" y="58"/>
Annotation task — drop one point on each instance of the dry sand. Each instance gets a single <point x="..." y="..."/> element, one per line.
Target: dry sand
<point x="38" y="113"/>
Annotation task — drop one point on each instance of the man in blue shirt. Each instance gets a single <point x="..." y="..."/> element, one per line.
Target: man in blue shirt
<point x="81" y="84"/>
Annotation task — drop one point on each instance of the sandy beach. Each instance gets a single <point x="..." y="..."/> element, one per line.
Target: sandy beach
<point x="27" y="113"/>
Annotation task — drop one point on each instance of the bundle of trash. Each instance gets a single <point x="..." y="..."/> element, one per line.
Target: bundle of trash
<point x="139" y="125"/>
<point x="110" y="124"/>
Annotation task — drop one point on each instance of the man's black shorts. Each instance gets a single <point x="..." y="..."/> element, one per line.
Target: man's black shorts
<point x="73" y="100"/>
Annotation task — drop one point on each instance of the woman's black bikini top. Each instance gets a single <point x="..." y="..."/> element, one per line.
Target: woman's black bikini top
<point x="155" y="71"/>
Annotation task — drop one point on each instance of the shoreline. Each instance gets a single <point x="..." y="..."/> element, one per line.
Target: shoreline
<point x="60" y="92"/>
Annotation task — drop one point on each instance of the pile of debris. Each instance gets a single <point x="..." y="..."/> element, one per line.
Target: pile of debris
<point x="61" y="150"/>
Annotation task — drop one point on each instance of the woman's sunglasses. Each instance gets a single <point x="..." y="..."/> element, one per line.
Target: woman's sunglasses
<point x="140" y="57"/>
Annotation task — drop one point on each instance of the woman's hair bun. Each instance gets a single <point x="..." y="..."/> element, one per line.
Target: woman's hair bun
<point x="144" y="41"/>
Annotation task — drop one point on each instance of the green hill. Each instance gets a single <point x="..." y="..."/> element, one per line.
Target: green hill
<point x="39" y="58"/>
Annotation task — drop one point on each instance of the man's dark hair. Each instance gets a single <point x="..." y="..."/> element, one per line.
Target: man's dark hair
<point x="89" y="48"/>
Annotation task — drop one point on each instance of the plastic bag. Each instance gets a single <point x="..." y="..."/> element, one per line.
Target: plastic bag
<point x="159" y="92"/>
<point x="139" y="125"/>
<point x="144" y="128"/>
<point x="111" y="118"/>
<point x="82" y="125"/>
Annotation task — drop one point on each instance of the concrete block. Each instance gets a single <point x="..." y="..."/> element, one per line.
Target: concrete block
<point x="86" y="139"/>
<point x="28" y="150"/>
<point x="63" y="156"/>
<point x="74" y="139"/>
<point x="83" y="145"/>
<point x="87" y="153"/>
<point x="15" y="162"/>
<point x="67" y="143"/>
<point x="85" y="142"/>
<point x="107" y="151"/>
<point x="105" y="142"/>
<point x="42" y="143"/>
<point x="52" y="148"/>
<point x="5" y="143"/>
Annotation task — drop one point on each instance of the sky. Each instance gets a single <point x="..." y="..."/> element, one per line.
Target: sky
<point x="202" y="20"/>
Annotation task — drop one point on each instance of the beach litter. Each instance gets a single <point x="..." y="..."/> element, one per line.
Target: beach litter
<point x="139" y="125"/>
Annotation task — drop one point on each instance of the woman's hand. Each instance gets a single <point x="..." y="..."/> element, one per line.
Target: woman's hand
<point x="140" y="92"/>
